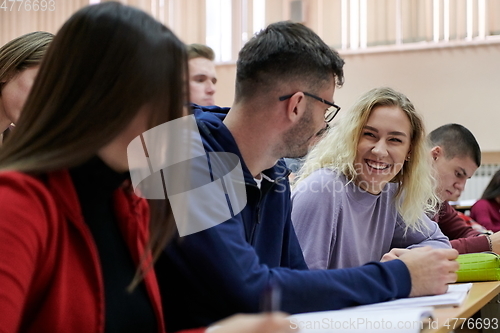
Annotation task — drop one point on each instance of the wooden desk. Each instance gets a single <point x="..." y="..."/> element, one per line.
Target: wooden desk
<point x="462" y="205"/>
<point x="483" y="296"/>
<point x="462" y="209"/>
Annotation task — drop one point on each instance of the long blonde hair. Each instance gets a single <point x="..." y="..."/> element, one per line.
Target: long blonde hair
<point x="337" y="150"/>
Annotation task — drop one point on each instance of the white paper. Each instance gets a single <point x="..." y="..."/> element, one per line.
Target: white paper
<point x="454" y="297"/>
<point x="406" y="315"/>
<point x="407" y="320"/>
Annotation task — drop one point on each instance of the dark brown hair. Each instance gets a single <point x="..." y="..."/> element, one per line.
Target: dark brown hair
<point x="492" y="191"/>
<point x="456" y="141"/>
<point x="285" y="52"/>
<point x="106" y="62"/>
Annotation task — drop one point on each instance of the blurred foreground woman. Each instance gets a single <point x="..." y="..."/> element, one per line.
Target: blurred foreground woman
<point x="72" y="231"/>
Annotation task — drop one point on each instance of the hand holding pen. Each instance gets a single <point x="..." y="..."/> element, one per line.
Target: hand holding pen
<point x="271" y="297"/>
<point x="261" y="323"/>
<point x="271" y="321"/>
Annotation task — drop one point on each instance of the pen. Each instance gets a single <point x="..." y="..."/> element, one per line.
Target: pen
<point x="271" y="297"/>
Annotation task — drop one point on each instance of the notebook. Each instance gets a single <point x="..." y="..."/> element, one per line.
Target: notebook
<point x="406" y="315"/>
<point x="454" y="297"/>
<point x="407" y="320"/>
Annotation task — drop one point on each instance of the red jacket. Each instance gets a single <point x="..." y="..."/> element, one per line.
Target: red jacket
<point x="487" y="213"/>
<point x="50" y="275"/>
<point x="462" y="237"/>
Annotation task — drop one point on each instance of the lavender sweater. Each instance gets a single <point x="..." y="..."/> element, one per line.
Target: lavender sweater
<point x="340" y="225"/>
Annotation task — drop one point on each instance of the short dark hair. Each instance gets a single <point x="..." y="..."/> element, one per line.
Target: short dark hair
<point x="282" y="52"/>
<point x="456" y="141"/>
<point x="492" y="191"/>
<point x="200" y="51"/>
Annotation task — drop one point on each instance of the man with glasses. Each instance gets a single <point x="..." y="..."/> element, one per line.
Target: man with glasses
<point x="286" y="77"/>
<point x="330" y="112"/>
<point x="294" y="164"/>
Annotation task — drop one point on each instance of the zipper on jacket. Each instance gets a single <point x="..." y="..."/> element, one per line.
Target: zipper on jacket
<point x="256" y="221"/>
<point x="254" y="226"/>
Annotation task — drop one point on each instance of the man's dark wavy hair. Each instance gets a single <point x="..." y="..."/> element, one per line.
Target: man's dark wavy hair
<point x="284" y="52"/>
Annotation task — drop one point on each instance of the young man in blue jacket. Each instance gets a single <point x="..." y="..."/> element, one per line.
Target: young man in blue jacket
<point x="286" y="76"/>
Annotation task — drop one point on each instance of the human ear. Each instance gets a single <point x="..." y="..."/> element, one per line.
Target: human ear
<point x="295" y="107"/>
<point x="436" y="152"/>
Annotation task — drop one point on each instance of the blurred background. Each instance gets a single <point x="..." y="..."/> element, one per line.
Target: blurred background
<point x="443" y="54"/>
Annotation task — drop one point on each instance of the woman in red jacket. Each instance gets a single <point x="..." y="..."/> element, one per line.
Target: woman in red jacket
<point x="72" y="231"/>
<point x="486" y="211"/>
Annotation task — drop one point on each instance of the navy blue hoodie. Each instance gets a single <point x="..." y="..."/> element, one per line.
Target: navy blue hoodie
<point x="209" y="275"/>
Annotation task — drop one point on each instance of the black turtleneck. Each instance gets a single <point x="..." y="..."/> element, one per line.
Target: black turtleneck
<point x="95" y="183"/>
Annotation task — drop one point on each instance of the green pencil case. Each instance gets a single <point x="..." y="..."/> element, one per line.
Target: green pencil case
<point x="483" y="266"/>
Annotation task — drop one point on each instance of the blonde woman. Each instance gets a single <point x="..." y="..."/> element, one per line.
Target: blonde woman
<point x="19" y="63"/>
<point x="367" y="186"/>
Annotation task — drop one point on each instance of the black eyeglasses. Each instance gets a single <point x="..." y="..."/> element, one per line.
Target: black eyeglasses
<point x="330" y="113"/>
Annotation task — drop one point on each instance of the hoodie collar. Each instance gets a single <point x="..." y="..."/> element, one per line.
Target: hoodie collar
<point x="212" y="129"/>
